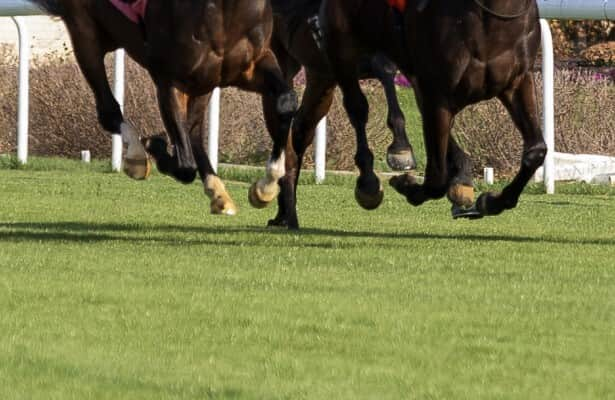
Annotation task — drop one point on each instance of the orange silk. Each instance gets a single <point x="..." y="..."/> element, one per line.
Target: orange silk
<point x="399" y="4"/>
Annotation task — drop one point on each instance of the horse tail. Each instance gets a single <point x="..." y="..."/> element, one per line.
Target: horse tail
<point x="53" y="7"/>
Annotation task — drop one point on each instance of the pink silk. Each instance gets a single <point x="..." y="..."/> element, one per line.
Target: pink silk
<point x="134" y="12"/>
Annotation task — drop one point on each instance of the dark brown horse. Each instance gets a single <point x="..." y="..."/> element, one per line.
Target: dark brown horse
<point x="189" y="48"/>
<point x="456" y="52"/>
<point x="295" y="45"/>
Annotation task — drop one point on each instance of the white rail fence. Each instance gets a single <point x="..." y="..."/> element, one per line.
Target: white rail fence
<point x="549" y="9"/>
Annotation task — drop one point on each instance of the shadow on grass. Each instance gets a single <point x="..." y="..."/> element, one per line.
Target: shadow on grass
<point x="43" y="368"/>
<point x="82" y="232"/>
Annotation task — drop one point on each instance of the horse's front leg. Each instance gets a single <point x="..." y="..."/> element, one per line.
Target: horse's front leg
<point x="521" y="104"/>
<point x="279" y="106"/>
<point x="173" y="108"/>
<point x="315" y="104"/>
<point x="220" y="200"/>
<point x="90" y="54"/>
<point x="400" y="156"/>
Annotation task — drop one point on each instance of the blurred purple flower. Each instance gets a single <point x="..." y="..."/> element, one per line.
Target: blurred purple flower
<point x="401" y="80"/>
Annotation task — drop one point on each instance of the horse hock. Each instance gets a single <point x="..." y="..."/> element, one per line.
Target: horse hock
<point x="136" y="164"/>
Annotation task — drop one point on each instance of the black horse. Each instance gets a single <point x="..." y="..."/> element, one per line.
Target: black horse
<point x="456" y="53"/>
<point x="189" y="48"/>
<point x="296" y="43"/>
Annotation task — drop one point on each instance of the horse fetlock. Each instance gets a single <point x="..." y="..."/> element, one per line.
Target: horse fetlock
<point x="276" y="169"/>
<point x="111" y="119"/>
<point x="490" y="203"/>
<point x="461" y="195"/>
<point x="221" y="202"/>
<point x="130" y="136"/>
<point x="185" y="175"/>
<point x="407" y="185"/>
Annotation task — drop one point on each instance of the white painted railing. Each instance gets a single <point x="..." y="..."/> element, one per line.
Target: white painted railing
<point x="11" y="8"/>
<point x="565" y="10"/>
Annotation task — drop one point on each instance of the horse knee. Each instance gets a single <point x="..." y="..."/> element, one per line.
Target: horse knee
<point x="534" y="157"/>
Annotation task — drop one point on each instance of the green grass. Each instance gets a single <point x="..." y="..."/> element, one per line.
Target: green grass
<point x="114" y="289"/>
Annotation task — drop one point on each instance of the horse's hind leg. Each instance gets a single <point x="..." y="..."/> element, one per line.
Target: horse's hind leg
<point x="220" y="200"/>
<point x="437" y="123"/>
<point x="460" y="187"/>
<point x="315" y="104"/>
<point x="343" y="55"/>
<point x="458" y="165"/>
<point x="521" y="103"/>
<point x="90" y="52"/>
<point x="400" y="155"/>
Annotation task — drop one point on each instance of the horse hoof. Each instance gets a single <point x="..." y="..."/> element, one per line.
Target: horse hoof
<point x="277" y="223"/>
<point x="461" y="195"/>
<point x="369" y="201"/>
<point x="466" y="212"/>
<point x="401" y="183"/>
<point x="401" y="161"/>
<point x="220" y="206"/>
<point x="258" y="199"/>
<point x="137" y="169"/>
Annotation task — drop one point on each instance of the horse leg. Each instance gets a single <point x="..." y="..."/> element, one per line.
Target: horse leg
<point x="400" y="155"/>
<point x="437" y="123"/>
<point x="90" y="53"/>
<point x="289" y="67"/>
<point x="343" y="55"/>
<point x="315" y="104"/>
<point x="460" y="186"/>
<point x="521" y="104"/>
<point x="173" y="108"/>
<point x="220" y="201"/>
<point x="279" y="106"/>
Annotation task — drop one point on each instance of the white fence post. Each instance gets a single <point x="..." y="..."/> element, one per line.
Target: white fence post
<point x="548" y="106"/>
<point x="320" y="150"/>
<point x="213" y="120"/>
<point x="23" y="107"/>
<point x="119" y="93"/>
